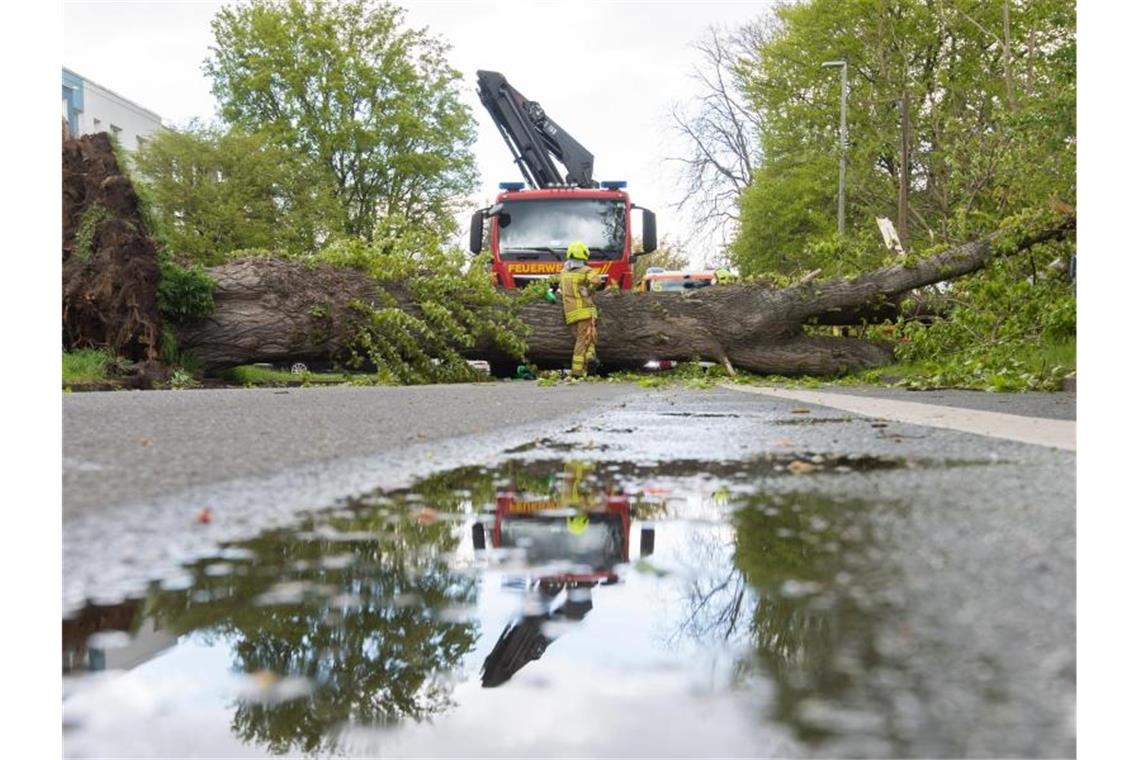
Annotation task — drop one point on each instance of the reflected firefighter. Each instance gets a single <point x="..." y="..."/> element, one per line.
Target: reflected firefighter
<point x="580" y="535"/>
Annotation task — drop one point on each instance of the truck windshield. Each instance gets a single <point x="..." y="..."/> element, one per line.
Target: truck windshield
<point x="542" y="229"/>
<point x="550" y="540"/>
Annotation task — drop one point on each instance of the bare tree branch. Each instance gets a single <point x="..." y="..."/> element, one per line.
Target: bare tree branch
<point x="720" y="131"/>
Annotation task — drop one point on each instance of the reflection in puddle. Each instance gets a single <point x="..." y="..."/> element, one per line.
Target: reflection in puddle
<point x="670" y="609"/>
<point x="572" y="537"/>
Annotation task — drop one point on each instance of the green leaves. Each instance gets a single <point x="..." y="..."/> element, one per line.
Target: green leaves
<point x="434" y="303"/>
<point x="215" y="192"/>
<point x="185" y="294"/>
<point x="981" y="149"/>
<point x="89" y="223"/>
<point x="992" y="141"/>
<point x="372" y="103"/>
<point x="1012" y="329"/>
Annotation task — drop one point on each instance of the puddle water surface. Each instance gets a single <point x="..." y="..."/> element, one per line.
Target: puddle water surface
<point x="538" y="608"/>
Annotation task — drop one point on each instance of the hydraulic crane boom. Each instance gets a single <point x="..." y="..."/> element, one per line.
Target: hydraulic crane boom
<point x="534" y="138"/>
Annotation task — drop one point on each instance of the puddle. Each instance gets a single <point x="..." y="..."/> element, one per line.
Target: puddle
<point x="706" y="415"/>
<point x="811" y="420"/>
<point x="543" y="607"/>
<point x="553" y="445"/>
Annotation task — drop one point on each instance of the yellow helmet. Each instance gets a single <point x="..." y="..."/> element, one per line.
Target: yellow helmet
<point x="577" y="524"/>
<point x="578" y="250"/>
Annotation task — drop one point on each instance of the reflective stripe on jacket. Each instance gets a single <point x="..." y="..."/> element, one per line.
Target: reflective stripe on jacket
<point x="575" y="284"/>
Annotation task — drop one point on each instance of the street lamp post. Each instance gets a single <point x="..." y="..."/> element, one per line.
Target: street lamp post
<point x="842" y="65"/>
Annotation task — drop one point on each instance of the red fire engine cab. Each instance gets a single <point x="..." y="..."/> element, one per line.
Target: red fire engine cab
<point x="575" y="526"/>
<point x="530" y="229"/>
<point x="572" y="538"/>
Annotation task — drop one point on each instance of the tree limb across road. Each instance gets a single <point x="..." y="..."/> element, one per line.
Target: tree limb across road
<point x="265" y="313"/>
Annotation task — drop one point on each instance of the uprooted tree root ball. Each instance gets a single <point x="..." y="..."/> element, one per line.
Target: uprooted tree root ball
<point x="110" y="263"/>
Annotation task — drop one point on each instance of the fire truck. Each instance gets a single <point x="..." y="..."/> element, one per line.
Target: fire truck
<point x="573" y="538"/>
<point x="531" y="223"/>
<point x="591" y="535"/>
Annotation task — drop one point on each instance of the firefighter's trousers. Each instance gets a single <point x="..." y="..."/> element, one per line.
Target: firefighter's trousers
<point x="585" y="342"/>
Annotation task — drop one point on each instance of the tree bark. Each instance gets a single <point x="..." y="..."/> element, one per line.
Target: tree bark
<point x="277" y="310"/>
<point x="272" y="310"/>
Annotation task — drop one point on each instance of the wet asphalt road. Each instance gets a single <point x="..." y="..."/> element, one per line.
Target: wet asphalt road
<point x="979" y="536"/>
<point x="977" y="553"/>
<point x="123" y="448"/>
<point x="129" y="447"/>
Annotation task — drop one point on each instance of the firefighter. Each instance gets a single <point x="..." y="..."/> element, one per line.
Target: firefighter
<point x="574" y="283"/>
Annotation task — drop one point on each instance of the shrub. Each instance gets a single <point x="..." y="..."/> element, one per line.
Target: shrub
<point x="185" y="294"/>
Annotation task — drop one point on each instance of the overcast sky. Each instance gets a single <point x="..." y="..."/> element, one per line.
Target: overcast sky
<point x="606" y="71"/>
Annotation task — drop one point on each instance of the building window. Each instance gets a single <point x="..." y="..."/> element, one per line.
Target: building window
<point x="116" y="130"/>
<point x="141" y="140"/>
<point x="95" y="124"/>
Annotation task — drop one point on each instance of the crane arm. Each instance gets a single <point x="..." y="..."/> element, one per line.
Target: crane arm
<point x="533" y="137"/>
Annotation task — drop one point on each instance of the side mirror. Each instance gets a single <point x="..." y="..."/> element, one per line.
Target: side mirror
<point x="648" y="231"/>
<point x="475" y="243"/>
<point x="647" y="540"/>
<point x="497" y="210"/>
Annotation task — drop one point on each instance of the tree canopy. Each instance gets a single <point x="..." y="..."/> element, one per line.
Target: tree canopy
<point x="375" y="104"/>
<point x="992" y="123"/>
<point x="216" y="191"/>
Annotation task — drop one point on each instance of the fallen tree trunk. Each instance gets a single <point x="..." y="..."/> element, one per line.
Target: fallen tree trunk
<point x="270" y="310"/>
<point x="278" y="310"/>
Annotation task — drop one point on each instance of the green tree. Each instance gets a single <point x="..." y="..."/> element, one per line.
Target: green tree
<point x="214" y="192"/>
<point x="990" y="134"/>
<point x="787" y="204"/>
<point x="374" y="103"/>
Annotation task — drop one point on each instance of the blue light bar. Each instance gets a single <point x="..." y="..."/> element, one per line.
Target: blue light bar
<point x="511" y="185"/>
<point x="614" y="184"/>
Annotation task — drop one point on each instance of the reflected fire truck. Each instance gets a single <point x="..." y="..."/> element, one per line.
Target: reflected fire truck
<point x="573" y="540"/>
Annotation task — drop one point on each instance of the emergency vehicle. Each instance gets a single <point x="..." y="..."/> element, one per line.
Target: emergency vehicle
<point x="531" y="223"/>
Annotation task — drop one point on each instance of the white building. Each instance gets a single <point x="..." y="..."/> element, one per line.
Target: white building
<point x="89" y="108"/>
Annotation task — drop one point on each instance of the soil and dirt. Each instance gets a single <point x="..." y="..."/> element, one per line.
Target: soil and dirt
<point x="110" y="263"/>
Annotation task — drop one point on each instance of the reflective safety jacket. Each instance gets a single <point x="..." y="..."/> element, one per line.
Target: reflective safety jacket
<point x="575" y="285"/>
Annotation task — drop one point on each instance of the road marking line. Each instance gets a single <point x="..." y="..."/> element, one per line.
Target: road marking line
<point x="1058" y="434"/>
